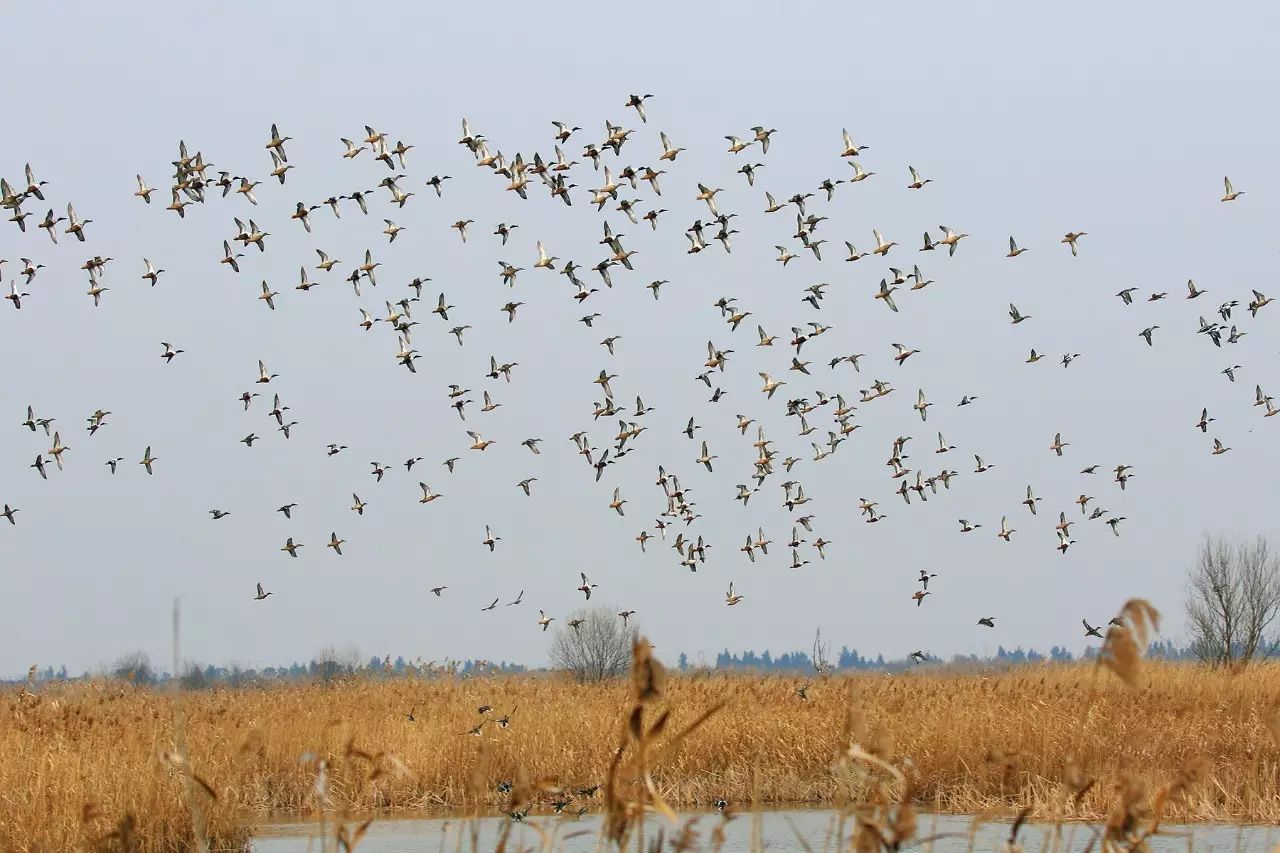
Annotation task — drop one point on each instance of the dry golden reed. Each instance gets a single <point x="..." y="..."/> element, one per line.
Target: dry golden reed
<point x="1127" y="637"/>
<point x="93" y="765"/>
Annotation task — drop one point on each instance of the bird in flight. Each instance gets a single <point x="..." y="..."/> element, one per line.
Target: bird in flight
<point x="814" y="411"/>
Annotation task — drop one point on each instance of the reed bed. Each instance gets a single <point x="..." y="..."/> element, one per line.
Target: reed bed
<point x="88" y="765"/>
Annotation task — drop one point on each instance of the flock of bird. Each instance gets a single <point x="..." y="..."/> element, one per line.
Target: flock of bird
<point x="618" y="171"/>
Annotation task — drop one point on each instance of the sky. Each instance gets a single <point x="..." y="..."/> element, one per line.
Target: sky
<point x="1031" y="123"/>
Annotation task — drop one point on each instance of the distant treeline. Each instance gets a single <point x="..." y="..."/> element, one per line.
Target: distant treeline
<point x="850" y="659"/>
<point x="137" y="667"/>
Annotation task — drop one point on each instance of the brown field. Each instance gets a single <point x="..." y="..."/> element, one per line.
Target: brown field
<point x="83" y="760"/>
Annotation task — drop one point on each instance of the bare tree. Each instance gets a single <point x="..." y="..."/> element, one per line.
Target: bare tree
<point x="599" y="647"/>
<point x="194" y="677"/>
<point x="820" y="662"/>
<point x="135" y="667"/>
<point x="332" y="662"/>
<point x="1233" y="597"/>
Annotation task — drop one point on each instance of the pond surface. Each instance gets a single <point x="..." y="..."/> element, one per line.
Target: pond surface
<point x="773" y="830"/>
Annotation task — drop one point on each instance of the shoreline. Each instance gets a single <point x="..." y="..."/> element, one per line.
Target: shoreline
<point x="289" y="819"/>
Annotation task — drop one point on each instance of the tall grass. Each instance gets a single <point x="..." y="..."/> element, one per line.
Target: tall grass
<point x="89" y="762"/>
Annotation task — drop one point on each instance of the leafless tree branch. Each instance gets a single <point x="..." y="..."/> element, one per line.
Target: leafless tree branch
<point x="1233" y="599"/>
<point x="597" y="649"/>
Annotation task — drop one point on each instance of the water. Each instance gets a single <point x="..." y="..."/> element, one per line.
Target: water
<point x="777" y="833"/>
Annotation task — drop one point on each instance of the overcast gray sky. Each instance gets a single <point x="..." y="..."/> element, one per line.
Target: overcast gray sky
<point x="1031" y="122"/>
